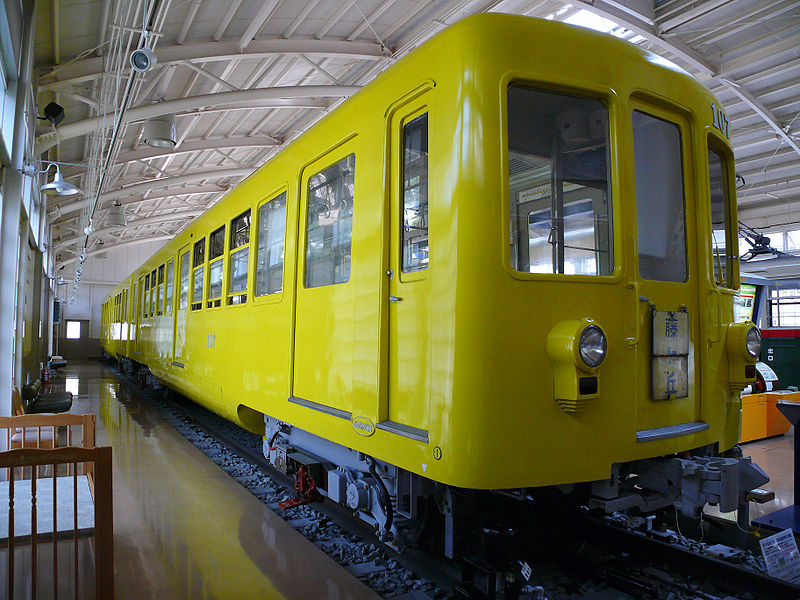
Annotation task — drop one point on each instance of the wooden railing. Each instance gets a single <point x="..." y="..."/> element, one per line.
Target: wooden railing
<point x="74" y="478"/>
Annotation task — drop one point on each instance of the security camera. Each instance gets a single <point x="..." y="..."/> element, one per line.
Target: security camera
<point x="143" y="59"/>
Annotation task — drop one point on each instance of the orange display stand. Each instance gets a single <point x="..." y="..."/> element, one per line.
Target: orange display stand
<point x="761" y="417"/>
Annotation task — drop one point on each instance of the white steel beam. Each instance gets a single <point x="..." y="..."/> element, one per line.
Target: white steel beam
<point x="187" y="22"/>
<point x="184" y="215"/>
<point x="198" y="190"/>
<point x="278" y="94"/>
<point x="209" y="75"/>
<point x="257" y="23"/>
<point x="197" y="145"/>
<point x="81" y="71"/>
<point x="106" y="247"/>
<point x="763" y="112"/>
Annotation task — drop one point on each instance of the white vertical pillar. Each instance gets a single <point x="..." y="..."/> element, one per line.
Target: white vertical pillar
<point x="13" y="181"/>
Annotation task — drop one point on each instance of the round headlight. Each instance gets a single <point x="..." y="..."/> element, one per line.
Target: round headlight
<point x="754" y="342"/>
<point x="592" y="346"/>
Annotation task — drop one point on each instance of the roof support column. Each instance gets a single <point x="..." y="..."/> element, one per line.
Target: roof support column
<point x="12" y="192"/>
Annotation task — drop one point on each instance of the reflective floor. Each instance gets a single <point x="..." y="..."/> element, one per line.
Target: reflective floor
<point x="182" y="527"/>
<point x="776" y="456"/>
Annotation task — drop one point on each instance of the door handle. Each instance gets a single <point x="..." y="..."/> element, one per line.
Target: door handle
<point x="394" y="298"/>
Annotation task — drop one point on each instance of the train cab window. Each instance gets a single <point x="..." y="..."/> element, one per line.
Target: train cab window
<point x="169" y="288"/>
<point x="559" y="183"/>
<point x="415" y="194"/>
<point x="329" y="224"/>
<point x="160" y="291"/>
<point x="660" y="211"/>
<point x="198" y="263"/>
<point x="720" y="217"/>
<point x="269" y="246"/>
<point x="184" y="297"/>
<point x="240" y="258"/>
<point x="216" y="249"/>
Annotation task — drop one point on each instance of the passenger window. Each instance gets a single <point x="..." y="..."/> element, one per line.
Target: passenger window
<point x="170" y="285"/>
<point x="269" y="246"/>
<point x="720" y="217"/>
<point x="660" y="211"/>
<point x="216" y="248"/>
<point x="240" y="258"/>
<point x="329" y="224"/>
<point x="415" y="195"/>
<point x="146" y="298"/>
<point x="184" y="297"/>
<point x="160" y="292"/>
<point x="559" y="183"/>
<point x="153" y="286"/>
<point x="198" y="263"/>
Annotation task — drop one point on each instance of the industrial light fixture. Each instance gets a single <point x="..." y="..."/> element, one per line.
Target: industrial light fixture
<point x="54" y="113"/>
<point x="58" y="187"/>
<point x="143" y="59"/>
<point x="116" y="215"/>
<point x="160" y="132"/>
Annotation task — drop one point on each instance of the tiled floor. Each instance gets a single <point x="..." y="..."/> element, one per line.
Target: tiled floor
<point x="182" y="527"/>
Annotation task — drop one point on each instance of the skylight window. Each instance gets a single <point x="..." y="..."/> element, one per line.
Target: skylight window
<point x="584" y="18"/>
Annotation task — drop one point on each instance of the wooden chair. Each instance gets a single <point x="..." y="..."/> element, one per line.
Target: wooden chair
<point x="68" y="455"/>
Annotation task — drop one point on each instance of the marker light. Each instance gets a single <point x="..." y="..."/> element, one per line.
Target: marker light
<point x="592" y="346"/>
<point x="753" y="342"/>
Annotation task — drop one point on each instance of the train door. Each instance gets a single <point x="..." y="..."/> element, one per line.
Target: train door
<point x="324" y="326"/>
<point x="668" y="271"/>
<point x="409" y="281"/>
<point x="179" y="317"/>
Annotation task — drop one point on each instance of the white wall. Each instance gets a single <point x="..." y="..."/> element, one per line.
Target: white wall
<point x="99" y="277"/>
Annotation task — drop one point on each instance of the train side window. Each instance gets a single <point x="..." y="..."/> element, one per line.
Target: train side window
<point x="216" y="250"/>
<point x="160" y="291"/>
<point x="722" y="240"/>
<point x="146" y="299"/>
<point x="269" y="246"/>
<point x="559" y="183"/>
<point x="184" y="297"/>
<point x="169" y="288"/>
<point x="415" y="194"/>
<point x="240" y="258"/>
<point x="329" y="224"/>
<point x="660" y="198"/>
<point x="153" y="286"/>
<point x="198" y="263"/>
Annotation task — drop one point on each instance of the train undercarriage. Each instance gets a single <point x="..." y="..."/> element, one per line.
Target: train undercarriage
<point x="390" y="499"/>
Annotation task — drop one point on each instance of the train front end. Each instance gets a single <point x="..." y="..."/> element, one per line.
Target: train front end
<point x="608" y="347"/>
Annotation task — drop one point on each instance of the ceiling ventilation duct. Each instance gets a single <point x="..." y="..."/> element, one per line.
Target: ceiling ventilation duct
<point x="160" y="132"/>
<point x="116" y="215"/>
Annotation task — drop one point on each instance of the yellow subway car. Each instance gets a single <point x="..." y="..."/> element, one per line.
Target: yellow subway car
<point x="508" y="262"/>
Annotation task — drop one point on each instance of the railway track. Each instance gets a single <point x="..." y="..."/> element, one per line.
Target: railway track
<point x="563" y="554"/>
